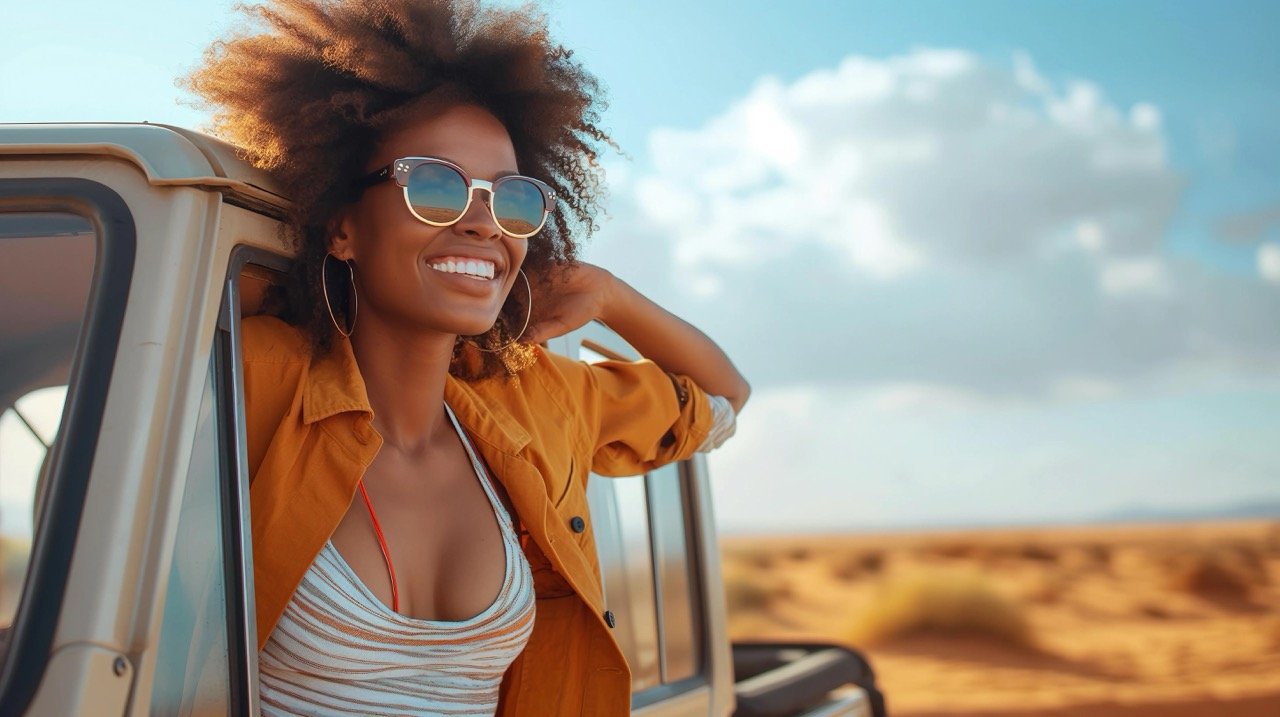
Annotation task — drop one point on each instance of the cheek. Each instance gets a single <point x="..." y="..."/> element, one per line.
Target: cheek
<point x="517" y="249"/>
<point x="379" y="219"/>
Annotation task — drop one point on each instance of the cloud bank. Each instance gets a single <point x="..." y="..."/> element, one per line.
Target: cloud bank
<point x="938" y="222"/>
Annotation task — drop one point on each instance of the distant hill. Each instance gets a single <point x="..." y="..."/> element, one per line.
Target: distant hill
<point x="1259" y="509"/>
<point x="1262" y="508"/>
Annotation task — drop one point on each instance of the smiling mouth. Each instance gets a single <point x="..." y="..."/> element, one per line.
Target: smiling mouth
<point x="474" y="268"/>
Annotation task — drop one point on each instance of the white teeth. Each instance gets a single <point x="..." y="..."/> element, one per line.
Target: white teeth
<point x="478" y="269"/>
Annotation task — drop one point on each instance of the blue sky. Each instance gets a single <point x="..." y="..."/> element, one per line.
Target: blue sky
<point x="1018" y="295"/>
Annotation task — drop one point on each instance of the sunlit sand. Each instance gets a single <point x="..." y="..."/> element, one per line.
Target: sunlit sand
<point x="1170" y="620"/>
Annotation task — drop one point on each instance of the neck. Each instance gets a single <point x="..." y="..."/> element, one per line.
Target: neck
<point x="404" y="374"/>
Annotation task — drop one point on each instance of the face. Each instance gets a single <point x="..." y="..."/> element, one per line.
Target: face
<point x="407" y="272"/>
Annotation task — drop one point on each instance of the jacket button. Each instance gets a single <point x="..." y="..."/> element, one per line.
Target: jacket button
<point x="577" y="523"/>
<point x="608" y="618"/>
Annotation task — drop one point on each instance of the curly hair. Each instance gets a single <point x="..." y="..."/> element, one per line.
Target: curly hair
<point x="310" y="93"/>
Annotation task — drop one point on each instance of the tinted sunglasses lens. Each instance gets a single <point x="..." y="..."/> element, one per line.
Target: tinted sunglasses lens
<point x="518" y="206"/>
<point x="437" y="192"/>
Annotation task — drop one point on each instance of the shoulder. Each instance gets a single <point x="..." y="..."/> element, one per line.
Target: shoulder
<point x="579" y="385"/>
<point x="549" y="378"/>
<point x="267" y="339"/>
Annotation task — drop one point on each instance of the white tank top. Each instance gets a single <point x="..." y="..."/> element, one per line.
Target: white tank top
<point x="338" y="650"/>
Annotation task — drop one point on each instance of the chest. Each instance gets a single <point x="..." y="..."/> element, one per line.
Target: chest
<point x="440" y="520"/>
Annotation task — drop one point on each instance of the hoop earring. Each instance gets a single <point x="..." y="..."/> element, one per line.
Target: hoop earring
<point x="355" y="302"/>
<point x="528" y="312"/>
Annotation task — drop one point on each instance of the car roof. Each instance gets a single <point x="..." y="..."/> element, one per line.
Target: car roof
<point x="169" y="156"/>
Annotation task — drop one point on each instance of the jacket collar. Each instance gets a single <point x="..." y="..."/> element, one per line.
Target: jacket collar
<point x="334" y="385"/>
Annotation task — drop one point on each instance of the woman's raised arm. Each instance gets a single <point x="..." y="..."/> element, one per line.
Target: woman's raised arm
<point x="582" y="292"/>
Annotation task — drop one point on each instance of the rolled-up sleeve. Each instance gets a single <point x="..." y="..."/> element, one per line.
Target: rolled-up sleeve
<point x="635" y="415"/>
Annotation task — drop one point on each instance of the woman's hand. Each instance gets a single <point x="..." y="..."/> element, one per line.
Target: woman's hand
<point x="579" y="293"/>
<point x="576" y="294"/>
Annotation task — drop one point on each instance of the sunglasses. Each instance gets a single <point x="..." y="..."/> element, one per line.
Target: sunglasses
<point x="438" y="192"/>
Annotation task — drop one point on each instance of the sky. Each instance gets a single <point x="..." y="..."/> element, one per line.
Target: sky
<point x="984" y="263"/>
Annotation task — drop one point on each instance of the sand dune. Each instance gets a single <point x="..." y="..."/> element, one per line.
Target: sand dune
<point x="1118" y="620"/>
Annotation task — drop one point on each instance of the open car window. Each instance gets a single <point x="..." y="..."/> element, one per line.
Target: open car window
<point x="46" y="272"/>
<point x="66" y="256"/>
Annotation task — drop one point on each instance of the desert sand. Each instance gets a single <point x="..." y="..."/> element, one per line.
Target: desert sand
<point x="1175" y="620"/>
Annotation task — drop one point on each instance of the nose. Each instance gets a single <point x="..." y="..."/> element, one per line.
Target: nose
<point x="477" y="221"/>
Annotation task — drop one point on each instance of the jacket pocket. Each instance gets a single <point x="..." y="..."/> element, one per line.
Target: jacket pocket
<point x="570" y="478"/>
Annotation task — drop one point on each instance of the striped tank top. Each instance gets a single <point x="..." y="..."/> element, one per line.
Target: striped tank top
<point x="339" y="650"/>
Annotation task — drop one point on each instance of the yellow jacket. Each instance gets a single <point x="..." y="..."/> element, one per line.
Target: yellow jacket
<point x="310" y="440"/>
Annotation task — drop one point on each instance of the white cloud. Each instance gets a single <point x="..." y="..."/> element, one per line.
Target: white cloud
<point x="937" y="220"/>
<point x="962" y="160"/>
<point x="1143" y="275"/>
<point x="1084" y="388"/>
<point x="1145" y="117"/>
<point x="916" y="397"/>
<point x="1269" y="262"/>
<point x="1091" y="237"/>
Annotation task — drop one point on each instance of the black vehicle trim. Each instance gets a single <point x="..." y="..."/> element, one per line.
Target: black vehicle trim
<point x="25" y="657"/>
<point x="242" y="631"/>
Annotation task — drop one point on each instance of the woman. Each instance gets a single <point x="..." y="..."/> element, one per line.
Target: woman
<point x="418" y="461"/>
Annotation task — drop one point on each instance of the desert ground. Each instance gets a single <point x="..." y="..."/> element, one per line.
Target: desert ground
<point x="1175" y="620"/>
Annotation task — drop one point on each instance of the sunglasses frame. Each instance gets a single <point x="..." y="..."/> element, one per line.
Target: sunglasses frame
<point x="400" y="169"/>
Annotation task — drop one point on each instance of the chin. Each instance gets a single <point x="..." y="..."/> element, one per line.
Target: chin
<point x="468" y="329"/>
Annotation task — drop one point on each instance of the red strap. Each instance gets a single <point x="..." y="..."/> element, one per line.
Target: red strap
<point x="386" y="554"/>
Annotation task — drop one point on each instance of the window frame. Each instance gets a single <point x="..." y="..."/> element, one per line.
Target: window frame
<point x="600" y="340"/>
<point x="242" y="635"/>
<point x="701" y="676"/>
<point x="24" y="658"/>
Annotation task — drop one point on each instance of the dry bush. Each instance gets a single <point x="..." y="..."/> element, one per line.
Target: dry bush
<point x="935" y="601"/>
<point x="747" y="590"/>
<point x="741" y="595"/>
<point x="957" y="551"/>
<point x="856" y="566"/>
<point x="1155" y="611"/>
<point x="1046" y="589"/>
<point x="1252" y="560"/>
<point x="1271" y="543"/>
<point x="873" y="561"/>
<point x="1038" y="553"/>
<point x="1100" y="553"/>
<point x="799" y="555"/>
<point x="1273" y="631"/>
<point x="1221" y="572"/>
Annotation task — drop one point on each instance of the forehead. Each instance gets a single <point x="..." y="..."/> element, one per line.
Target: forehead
<point x="466" y="135"/>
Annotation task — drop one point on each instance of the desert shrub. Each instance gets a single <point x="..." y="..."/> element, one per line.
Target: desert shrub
<point x="1155" y="611"/>
<point x="1046" y="589"/>
<point x="1219" y="572"/>
<point x="872" y="562"/>
<point x="748" y="590"/>
<point x="799" y="554"/>
<point x="858" y="565"/>
<point x="1100" y="553"/>
<point x="956" y="551"/>
<point x="1273" y="631"/>
<point x="742" y="595"/>
<point x="1271" y="543"/>
<point x="937" y="601"/>
<point x="1038" y="553"/>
